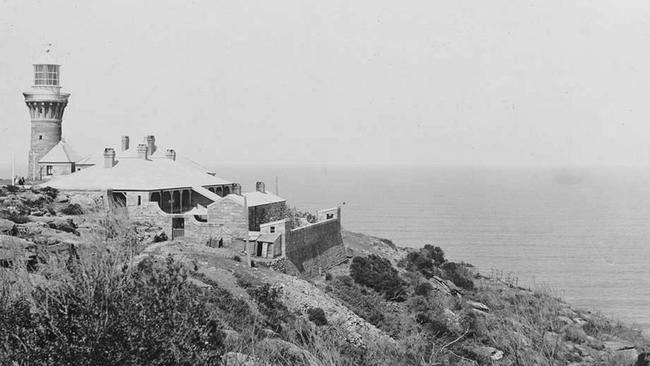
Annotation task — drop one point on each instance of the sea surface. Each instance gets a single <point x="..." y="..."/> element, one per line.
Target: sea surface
<point x="581" y="233"/>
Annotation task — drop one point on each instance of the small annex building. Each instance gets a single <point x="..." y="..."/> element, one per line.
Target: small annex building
<point x="62" y="159"/>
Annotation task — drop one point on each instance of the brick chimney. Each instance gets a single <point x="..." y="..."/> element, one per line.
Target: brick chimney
<point x="109" y="157"/>
<point x="260" y="187"/>
<point x="236" y="189"/>
<point x="142" y="151"/>
<point x="151" y="144"/>
<point x="125" y="143"/>
<point x="170" y="154"/>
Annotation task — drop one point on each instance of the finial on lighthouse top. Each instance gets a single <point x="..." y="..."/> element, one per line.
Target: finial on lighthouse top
<point x="46" y="69"/>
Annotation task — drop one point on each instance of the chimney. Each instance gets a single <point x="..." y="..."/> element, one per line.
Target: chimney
<point x="259" y="186"/>
<point x="125" y="143"/>
<point x="109" y="157"/>
<point x="151" y="144"/>
<point x="142" y="151"/>
<point x="236" y="189"/>
<point x="170" y="154"/>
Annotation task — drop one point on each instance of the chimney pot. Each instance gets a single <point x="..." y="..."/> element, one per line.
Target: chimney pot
<point x="236" y="189"/>
<point x="109" y="157"/>
<point x="125" y="143"/>
<point x="142" y="151"/>
<point x="151" y="144"/>
<point x="260" y="187"/>
<point x="170" y="154"/>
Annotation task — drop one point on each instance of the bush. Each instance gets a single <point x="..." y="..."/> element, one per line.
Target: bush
<point x="236" y="258"/>
<point x="102" y="315"/>
<point x="317" y="316"/>
<point x="434" y="253"/>
<point x="72" y="209"/>
<point x="160" y="237"/>
<point x="363" y="302"/>
<point x="18" y="219"/>
<point x="459" y="274"/>
<point x="12" y="189"/>
<point x="328" y="276"/>
<point x="423" y="289"/>
<point x="416" y="262"/>
<point x="378" y="273"/>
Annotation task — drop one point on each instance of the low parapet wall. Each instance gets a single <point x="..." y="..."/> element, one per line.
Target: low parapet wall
<point x="316" y="248"/>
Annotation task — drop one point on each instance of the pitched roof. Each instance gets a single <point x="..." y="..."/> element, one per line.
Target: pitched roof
<point x="258" y="198"/>
<point x="137" y="175"/>
<point x="268" y="238"/>
<point x="61" y="153"/>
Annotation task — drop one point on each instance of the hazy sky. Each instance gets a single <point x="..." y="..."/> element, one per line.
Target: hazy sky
<point x="341" y="82"/>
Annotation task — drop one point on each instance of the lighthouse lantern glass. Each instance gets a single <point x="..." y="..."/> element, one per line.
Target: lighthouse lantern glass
<point x="47" y="75"/>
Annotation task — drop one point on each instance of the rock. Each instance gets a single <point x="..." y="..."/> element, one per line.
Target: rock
<point x="595" y="343"/>
<point x="7" y="227"/>
<point x="565" y="320"/>
<point x="268" y="333"/>
<point x="232" y="337"/>
<point x="15" y="250"/>
<point x="478" y="306"/>
<point x="61" y="224"/>
<point x="617" y="345"/>
<point x="198" y="283"/>
<point x="486" y="353"/>
<point x="452" y="319"/>
<point x="551" y="338"/>
<point x="239" y="359"/>
<point x="62" y="198"/>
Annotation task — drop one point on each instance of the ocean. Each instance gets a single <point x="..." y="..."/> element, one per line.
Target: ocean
<point x="583" y="233"/>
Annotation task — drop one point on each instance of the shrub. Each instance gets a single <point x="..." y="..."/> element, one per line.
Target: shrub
<point x="328" y="276"/>
<point x="72" y="209"/>
<point x="363" y="302"/>
<point x="18" y="219"/>
<point x="378" y="273"/>
<point x="236" y="258"/>
<point x="423" y="289"/>
<point x="12" y="189"/>
<point x="434" y="253"/>
<point x="48" y="191"/>
<point x="459" y="274"/>
<point x="160" y="237"/>
<point x="416" y="262"/>
<point x="317" y="316"/>
<point x="103" y="315"/>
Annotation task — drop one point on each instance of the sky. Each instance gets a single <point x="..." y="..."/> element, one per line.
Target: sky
<point x="503" y="83"/>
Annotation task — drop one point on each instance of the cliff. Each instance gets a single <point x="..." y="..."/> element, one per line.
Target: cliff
<point x="83" y="287"/>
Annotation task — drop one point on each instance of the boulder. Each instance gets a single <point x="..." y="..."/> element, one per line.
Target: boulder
<point x="486" y="353"/>
<point x="7" y="227"/>
<point x="478" y="306"/>
<point x="239" y="359"/>
<point x="15" y="250"/>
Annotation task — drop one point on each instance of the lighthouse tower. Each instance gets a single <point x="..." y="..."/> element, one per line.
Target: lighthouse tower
<point x="46" y="104"/>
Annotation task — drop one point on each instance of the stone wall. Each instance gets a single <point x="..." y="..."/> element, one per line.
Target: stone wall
<point x="229" y="216"/>
<point x="315" y="248"/>
<point x="149" y="212"/>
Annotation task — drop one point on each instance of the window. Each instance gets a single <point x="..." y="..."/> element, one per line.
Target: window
<point x="46" y="75"/>
<point x="40" y="137"/>
<point x="139" y="200"/>
<point x="329" y="216"/>
<point x="272" y="229"/>
<point x="48" y="170"/>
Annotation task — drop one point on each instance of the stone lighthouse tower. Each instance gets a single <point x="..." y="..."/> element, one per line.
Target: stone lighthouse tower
<point x="46" y="104"/>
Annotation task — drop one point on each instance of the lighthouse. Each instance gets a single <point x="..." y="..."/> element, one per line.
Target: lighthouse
<point x="46" y="104"/>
